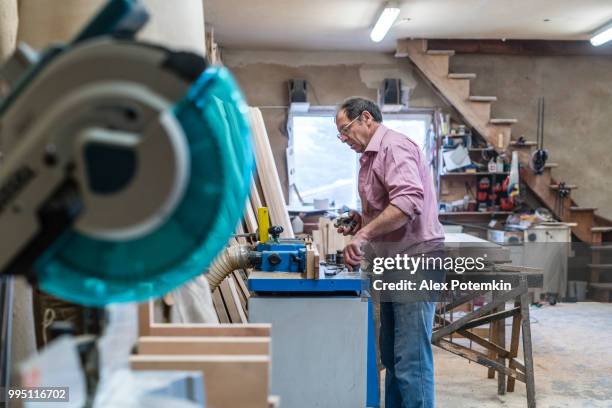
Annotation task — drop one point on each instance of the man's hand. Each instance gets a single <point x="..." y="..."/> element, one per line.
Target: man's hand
<point x="356" y="221"/>
<point x="352" y="252"/>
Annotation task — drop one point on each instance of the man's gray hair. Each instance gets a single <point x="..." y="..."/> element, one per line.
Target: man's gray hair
<point x="355" y="106"/>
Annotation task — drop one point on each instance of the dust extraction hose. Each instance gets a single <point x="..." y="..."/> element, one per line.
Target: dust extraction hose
<point x="231" y="258"/>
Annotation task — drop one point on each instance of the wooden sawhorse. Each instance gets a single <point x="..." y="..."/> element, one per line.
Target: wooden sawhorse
<point x="498" y="359"/>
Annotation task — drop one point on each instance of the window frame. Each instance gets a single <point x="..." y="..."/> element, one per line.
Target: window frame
<point x="426" y="115"/>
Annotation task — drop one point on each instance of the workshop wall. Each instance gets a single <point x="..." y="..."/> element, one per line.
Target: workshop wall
<point x="43" y="22"/>
<point x="8" y="27"/>
<point x="577" y="123"/>
<point x="332" y="77"/>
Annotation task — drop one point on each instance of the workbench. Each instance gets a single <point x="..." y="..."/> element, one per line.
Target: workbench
<point x="323" y="348"/>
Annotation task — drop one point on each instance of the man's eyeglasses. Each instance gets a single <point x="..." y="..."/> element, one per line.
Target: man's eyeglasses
<point x="345" y="128"/>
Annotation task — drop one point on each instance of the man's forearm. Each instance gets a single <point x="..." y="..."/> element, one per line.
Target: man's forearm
<point x="389" y="220"/>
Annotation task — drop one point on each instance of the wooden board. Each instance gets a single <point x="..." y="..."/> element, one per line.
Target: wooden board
<point x="204" y="345"/>
<point x="310" y="259"/>
<point x="268" y="175"/>
<point x="237" y="300"/>
<point x="250" y="218"/>
<point x="231" y="304"/>
<point x="148" y="328"/>
<point x="220" y="307"/>
<point x="230" y="381"/>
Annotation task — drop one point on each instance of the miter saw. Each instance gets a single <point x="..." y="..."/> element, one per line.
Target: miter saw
<point x="126" y="164"/>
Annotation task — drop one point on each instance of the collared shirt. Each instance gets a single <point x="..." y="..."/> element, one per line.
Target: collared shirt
<point x="394" y="170"/>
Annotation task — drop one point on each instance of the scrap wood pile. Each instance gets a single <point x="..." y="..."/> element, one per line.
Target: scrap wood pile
<point x="231" y="297"/>
<point x="233" y="360"/>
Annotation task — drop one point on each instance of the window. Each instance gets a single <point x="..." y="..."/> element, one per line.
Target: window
<point x="320" y="167"/>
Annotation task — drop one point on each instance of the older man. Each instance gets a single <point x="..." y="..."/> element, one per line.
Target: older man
<point x="399" y="210"/>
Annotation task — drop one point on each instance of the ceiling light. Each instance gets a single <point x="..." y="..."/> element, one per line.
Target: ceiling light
<point x="602" y="36"/>
<point x="385" y="21"/>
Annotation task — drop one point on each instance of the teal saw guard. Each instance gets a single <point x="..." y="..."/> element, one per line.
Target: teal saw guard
<point x="95" y="272"/>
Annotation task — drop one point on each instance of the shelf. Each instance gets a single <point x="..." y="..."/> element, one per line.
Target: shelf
<point x="475" y="174"/>
<point x="489" y="213"/>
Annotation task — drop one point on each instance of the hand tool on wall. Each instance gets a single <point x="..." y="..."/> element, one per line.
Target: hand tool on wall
<point x="539" y="157"/>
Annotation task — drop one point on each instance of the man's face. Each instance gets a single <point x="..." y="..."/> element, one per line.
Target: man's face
<point x="353" y="132"/>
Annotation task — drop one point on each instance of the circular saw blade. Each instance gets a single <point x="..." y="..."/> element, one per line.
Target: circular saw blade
<point x="95" y="271"/>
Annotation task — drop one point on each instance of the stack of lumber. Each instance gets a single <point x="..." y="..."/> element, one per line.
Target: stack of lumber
<point x="231" y="298"/>
<point x="233" y="358"/>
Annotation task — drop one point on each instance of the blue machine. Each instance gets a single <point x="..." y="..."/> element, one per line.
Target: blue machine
<point x="287" y="258"/>
<point x="286" y="255"/>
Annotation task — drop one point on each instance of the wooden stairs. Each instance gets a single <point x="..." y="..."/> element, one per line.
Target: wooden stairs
<point x="475" y="111"/>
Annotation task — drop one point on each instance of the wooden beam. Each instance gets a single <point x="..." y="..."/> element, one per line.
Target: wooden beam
<point x="230" y="381"/>
<point x="521" y="47"/>
<point x="207" y="330"/>
<point x="268" y="175"/>
<point x="480" y="358"/>
<point x="204" y="345"/>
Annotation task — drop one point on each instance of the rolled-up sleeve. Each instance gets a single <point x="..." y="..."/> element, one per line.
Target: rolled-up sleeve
<point x="402" y="178"/>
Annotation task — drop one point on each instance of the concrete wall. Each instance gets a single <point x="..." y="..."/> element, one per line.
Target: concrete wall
<point x="8" y="27"/>
<point x="331" y="76"/>
<point x="577" y="123"/>
<point x="578" y="92"/>
<point x="42" y="22"/>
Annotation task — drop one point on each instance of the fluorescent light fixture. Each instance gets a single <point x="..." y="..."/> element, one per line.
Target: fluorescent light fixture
<point x="385" y="21"/>
<point x="602" y="36"/>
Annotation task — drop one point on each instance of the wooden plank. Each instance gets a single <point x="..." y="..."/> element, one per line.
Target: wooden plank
<point x="230" y="303"/>
<point x="242" y="285"/>
<point x="527" y="349"/>
<point x="208" y="330"/>
<point x="493" y="317"/>
<point x="520" y="47"/>
<point x="241" y="297"/>
<point x="489" y="345"/>
<point x="503" y="121"/>
<point x="476" y="98"/>
<point x="237" y="300"/>
<point x="504" y="297"/>
<point x="462" y="76"/>
<point x="249" y="217"/>
<point x="310" y="271"/>
<point x="255" y="198"/>
<point x="220" y="307"/>
<point x="204" y="345"/>
<point x="144" y="318"/>
<point x="230" y="381"/>
<point x="441" y="52"/>
<point x="478" y="357"/>
<point x="514" y="344"/>
<point x="268" y="175"/>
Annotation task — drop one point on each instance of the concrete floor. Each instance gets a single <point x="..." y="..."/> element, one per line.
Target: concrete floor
<point x="572" y="346"/>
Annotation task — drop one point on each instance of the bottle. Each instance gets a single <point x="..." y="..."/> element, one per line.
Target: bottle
<point x="500" y="164"/>
<point x="492" y="166"/>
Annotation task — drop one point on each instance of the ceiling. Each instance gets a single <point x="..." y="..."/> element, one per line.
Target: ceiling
<point x="346" y="24"/>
